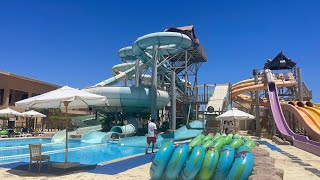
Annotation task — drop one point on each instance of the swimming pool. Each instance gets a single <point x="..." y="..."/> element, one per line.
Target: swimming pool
<point x="18" y="150"/>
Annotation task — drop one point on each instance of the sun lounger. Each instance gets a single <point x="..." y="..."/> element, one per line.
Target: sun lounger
<point x="26" y="135"/>
<point x="17" y="134"/>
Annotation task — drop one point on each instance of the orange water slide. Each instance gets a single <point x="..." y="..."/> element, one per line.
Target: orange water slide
<point x="238" y="90"/>
<point x="305" y="118"/>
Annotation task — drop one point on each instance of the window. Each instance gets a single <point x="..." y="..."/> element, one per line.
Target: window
<point x="34" y="94"/>
<point x="1" y="96"/>
<point x="16" y="95"/>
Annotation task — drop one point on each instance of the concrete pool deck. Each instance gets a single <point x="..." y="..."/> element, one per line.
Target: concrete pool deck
<point x="296" y="163"/>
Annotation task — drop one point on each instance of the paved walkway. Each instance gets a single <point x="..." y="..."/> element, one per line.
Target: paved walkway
<point x="296" y="163"/>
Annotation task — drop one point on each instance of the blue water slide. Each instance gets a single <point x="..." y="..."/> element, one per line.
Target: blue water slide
<point x="61" y="136"/>
<point x="189" y="131"/>
<point x="101" y="137"/>
<point x="96" y="137"/>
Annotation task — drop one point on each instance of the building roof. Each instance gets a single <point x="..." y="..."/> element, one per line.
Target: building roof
<point x="187" y="30"/>
<point x="197" y="52"/>
<point x="280" y="62"/>
<point x="27" y="79"/>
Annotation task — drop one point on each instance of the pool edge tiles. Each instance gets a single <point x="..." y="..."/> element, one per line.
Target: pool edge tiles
<point x="18" y="138"/>
<point x="120" y="165"/>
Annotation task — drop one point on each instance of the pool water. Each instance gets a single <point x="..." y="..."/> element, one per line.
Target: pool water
<point x="18" y="150"/>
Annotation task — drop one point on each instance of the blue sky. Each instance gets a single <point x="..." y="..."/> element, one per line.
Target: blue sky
<point x="76" y="42"/>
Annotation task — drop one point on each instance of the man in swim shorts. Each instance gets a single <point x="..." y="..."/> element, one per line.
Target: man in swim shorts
<point x="152" y="136"/>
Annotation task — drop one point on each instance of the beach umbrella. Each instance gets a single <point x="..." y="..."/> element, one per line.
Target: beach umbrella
<point x="9" y="112"/>
<point x="64" y="98"/>
<point x="235" y="115"/>
<point x="33" y="114"/>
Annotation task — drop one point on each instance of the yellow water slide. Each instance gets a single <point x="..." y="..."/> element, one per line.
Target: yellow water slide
<point x="313" y="106"/>
<point x="315" y="113"/>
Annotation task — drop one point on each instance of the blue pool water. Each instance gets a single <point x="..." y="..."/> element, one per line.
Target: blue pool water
<point x="18" y="150"/>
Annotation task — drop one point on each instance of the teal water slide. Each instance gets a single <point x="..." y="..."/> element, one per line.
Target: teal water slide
<point x="168" y="43"/>
<point x="138" y="98"/>
<point x="186" y="132"/>
<point x="101" y="137"/>
<point x="61" y="135"/>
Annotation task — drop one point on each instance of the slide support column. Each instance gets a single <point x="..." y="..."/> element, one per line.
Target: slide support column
<point x="173" y="100"/>
<point x="258" y="127"/>
<point x="154" y="83"/>
<point x="137" y="75"/>
<point x="300" y="95"/>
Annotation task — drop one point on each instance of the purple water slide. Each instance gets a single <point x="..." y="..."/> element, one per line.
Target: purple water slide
<point x="302" y="142"/>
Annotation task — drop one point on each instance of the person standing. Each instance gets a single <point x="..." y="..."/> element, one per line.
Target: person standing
<point x="152" y="136"/>
<point x="231" y="126"/>
<point x="225" y="127"/>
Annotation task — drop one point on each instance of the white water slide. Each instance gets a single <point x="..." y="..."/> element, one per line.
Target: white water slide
<point x="218" y="98"/>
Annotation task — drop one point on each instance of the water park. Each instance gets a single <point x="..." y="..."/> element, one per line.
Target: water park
<point x="273" y="125"/>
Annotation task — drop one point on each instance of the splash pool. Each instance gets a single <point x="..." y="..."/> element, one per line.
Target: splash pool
<point x="18" y="150"/>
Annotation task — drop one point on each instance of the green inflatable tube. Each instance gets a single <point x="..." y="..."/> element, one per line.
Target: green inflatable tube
<point x="219" y="143"/>
<point x="236" y="143"/>
<point x="228" y="139"/>
<point x="209" y="164"/>
<point x="217" y="139"/>
<point x="245" y="138"/>
<point x="236" y="136"/>
<point x="207" y="144"/>
<point x="250" y="143"/>
<point x="208" y="137"/>
<point x="217" y="136"/>
<point x="231" y="135"/>
<point x="201" y="136"/>
<point x="196" y="141"/>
